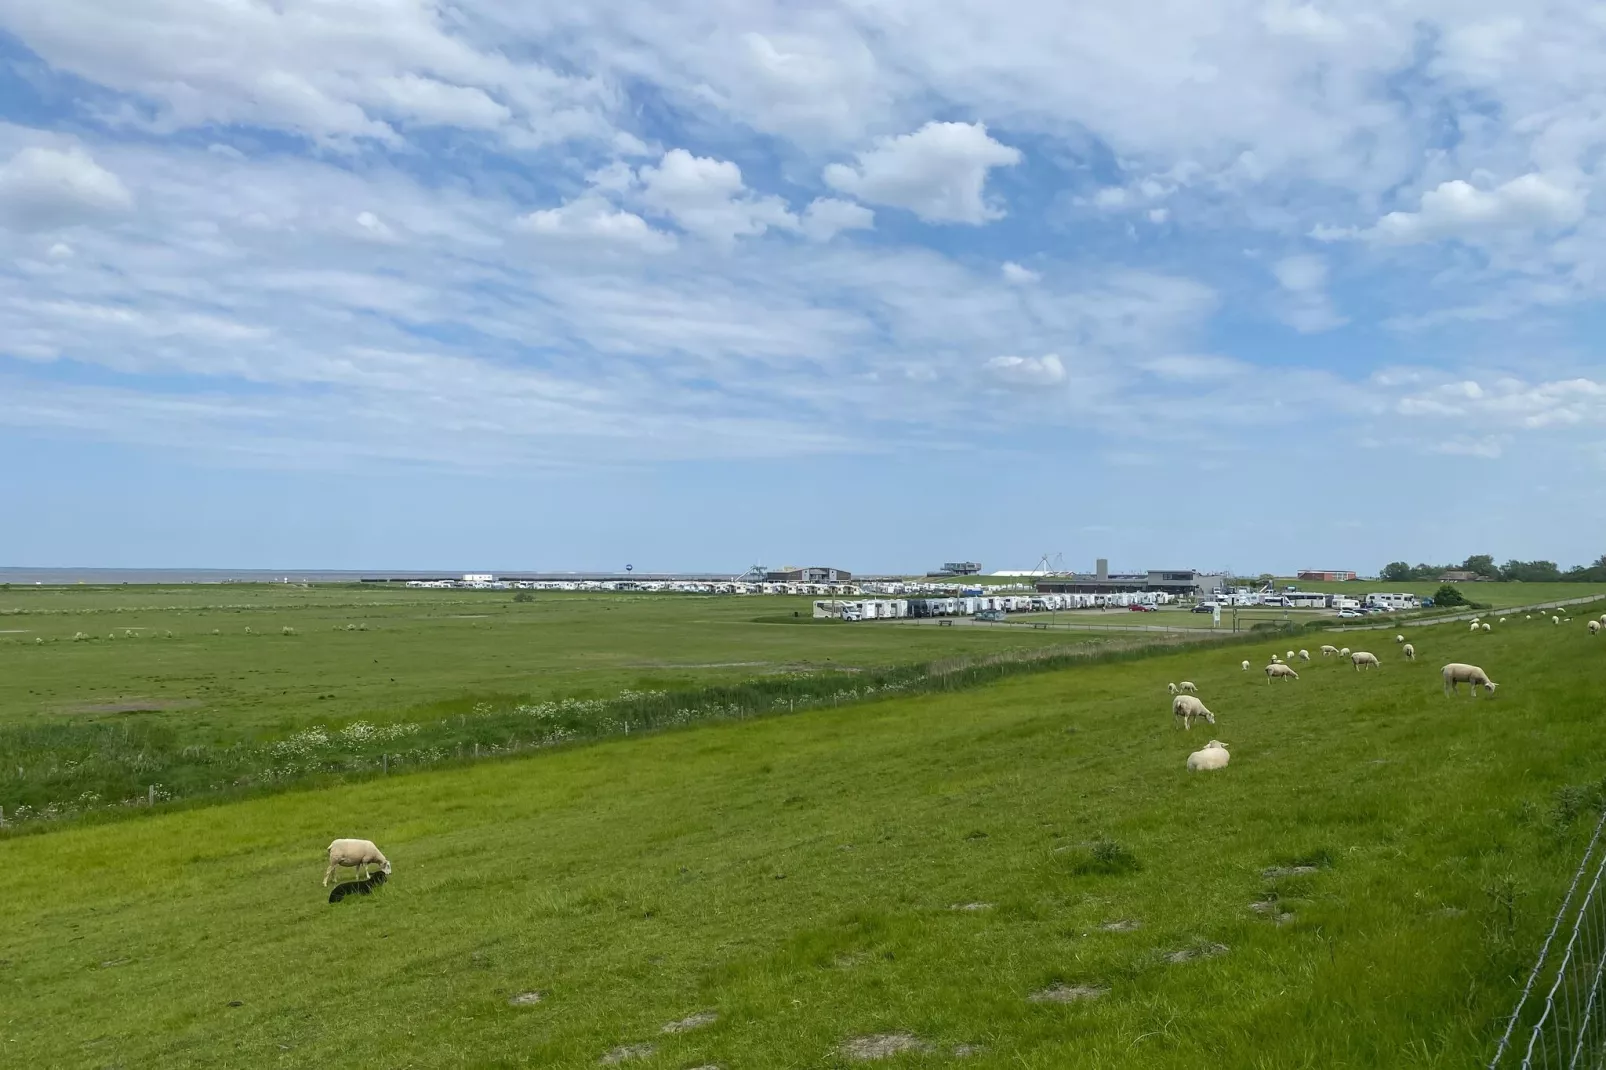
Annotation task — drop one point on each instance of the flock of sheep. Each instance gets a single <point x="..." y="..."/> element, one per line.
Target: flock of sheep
<point x="1187" y="708"/>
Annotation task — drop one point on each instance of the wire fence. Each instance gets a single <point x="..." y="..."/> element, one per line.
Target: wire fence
<point x="1567" y="1028"/>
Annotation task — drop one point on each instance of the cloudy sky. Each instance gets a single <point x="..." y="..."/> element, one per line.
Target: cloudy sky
<point x="878" y="284"/>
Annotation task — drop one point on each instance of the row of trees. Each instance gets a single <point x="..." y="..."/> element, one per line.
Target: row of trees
<point x="1483" y="566"/>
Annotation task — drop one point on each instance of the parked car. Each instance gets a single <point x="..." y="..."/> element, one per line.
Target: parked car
<point x="1138" y="607"/>
<point x="1348" y="613"/>
<point x="1205" y="607"/>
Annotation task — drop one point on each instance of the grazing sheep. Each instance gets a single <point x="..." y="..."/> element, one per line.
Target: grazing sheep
<point x="1502" y="620"/>
<point x="1363" y="660"/>
<point x="1399" y="638"/>
<point x="1279" y="669"/>
<point x="1328" y="650"/>
<point x="1594" y="626"/>
<point x="1555" y="620"/>
<point x="359" y="854"/>
<point x="1188" y="709"/>
<point x="1304" y="655"/>
<point x="1171" y="688"/>
<point x="1603" y="620"/>
<point x="1213" y="756"/>
<point x="1410" y="652"/>
<point x="1344" y="653"/>
<point x="1188" y="685"/>
<point x="1290" y="655"/>
<point x="1246" y="665"/>
<point x="1458" y="673"/>
<point x="1474" y="625"/>
<point x="1486" y="627"/>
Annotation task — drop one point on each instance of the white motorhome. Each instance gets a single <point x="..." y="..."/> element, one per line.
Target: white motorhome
<point x="1394" y="601"/>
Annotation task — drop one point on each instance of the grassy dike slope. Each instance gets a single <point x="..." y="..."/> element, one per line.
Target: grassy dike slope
<point x="799" y="876"/>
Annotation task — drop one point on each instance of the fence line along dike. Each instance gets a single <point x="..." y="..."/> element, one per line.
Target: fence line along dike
<point x="52" y="774"/>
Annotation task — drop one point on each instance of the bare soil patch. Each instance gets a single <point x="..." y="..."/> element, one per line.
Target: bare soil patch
<point x="525" y="999"/>
<point x="1125" y="925"/>
<point x="1278" y="872"/>
<point x="1067" y="994"/>
<point x="627" y="1052"/>
<point x="883" y="1046"/>
<point x="692" y="1021"/>
<point x="1200" y="951"/>
<point x="134" y="705"/>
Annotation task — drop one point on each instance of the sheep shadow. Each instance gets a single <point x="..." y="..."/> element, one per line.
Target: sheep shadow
<point x="361" y="887"/>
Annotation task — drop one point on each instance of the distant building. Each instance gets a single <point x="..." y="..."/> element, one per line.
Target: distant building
<point x="1181" y="582"/>
<point x="817" y="574"/>
<point x="1326" y="575"/>
<point x="1458" y="576"/>
<point x="479" y="577"/>
<point x="957" y="568"/>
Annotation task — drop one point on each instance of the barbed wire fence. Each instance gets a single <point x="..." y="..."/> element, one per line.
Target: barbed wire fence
<point x="1567" y="1028"/>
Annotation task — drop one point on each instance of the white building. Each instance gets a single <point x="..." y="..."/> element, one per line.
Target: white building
<point x="478" y="577"/>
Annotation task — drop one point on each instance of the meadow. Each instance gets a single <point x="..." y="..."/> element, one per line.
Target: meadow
<point x="1020" y="872"/>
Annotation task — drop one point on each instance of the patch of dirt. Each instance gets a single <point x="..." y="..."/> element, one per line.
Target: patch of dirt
<point x="525" y="999"/>
<point x="1067" y="994"/>
<point x="692" y="1021"/>
<point x="1125" y="925"/>
<point x="627" y="1052"/>
<point x="849" y="959"/>
<point x="1449" y="912"/>
<point x="1277" y="872"/>
<point x="971" y="906"/>
<point x="1202" y="951"/>
<point x="882" y="1046"/>
<point x="964" y="1051"/>
<point x="134" y="705"/>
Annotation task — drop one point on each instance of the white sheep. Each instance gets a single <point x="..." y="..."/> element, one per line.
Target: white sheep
<point x="1486" y="627"/>
<point x="1399" y="638"/>
<point x="357" y="853"/>
<point x="1187" y="709"/>
<point x="1594" y="626"/>
<point x="1188" y="686"/>
<point x="1603" y="620"/>
<point x="1304" y="655"/>
<point x="1329" y="650"/>
<point x="1213" y="756"/>
<point x="1555" y="620"/>
<point x="1458" y="673"/>
<point x="1474" y="625"/>
<point x="1279" y="669"/>
<point x="1409" y="651"/>
<point x="1246" y="665"/>
<point x="1363" y="660"/>
<point x="1171" y="688"/>
<point x="1290" y="655"/>
<point x="1502" y="620"/>
<point x="1344" y="653"/>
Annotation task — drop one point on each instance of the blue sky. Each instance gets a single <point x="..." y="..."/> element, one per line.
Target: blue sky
<point x="497" y="284"/>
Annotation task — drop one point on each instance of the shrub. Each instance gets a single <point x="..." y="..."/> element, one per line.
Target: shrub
<point x="524" y="596"/>
<point x="1104" y="857"/>
<point x="1447" y="595"/>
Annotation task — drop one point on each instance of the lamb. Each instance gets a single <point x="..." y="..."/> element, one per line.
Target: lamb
<point x="1594" y="626"/>
<point x="1304" y="655"/>
<point x="1279" y="669"/>
<point x="1410" y="652"/>
<point x="1246" y="665"/>
<point x="1458" y="673"/>
<point x="1502" y="620"/>
<point x="1603" y="620"/>
<point x="1188" y="685"/>
<point x="1555" y="620"/>
<point x="359" y="854"/>
<point x="1474" y="625"/>
<point x="1213" y="756"/>
<point x="1188" y="709"/>
<point x="1344" y="653"/>
<point x="1171" y="688"/>
<point x="1362" y="660"/>
<point x="1328" y="650"/>
<point x="1399" y="638"/>
<point x="1290" y="655"/>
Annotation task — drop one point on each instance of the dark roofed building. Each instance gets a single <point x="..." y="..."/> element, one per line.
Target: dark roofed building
<point x="816" y="574"/>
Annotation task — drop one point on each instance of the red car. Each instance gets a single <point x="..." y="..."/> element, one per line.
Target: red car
<point x="1136" y="608"/>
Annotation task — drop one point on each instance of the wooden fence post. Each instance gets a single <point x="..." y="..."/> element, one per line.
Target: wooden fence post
<point x="384" y="761"/>
<point x="150" y="795"/>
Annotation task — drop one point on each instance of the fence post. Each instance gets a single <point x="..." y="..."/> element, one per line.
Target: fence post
<point x="150" y="795"/>
<point x="476" y="750"/>
<point x="2" y="817"/>
<point x="384" y="761"/>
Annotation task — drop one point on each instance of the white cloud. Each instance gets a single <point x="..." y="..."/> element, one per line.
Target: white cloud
<point x="1190" y="368"/>
<point x="590" y="218"/>
<point x="707" y="197"/>
<point x="1488" y="447"/>
<point x="1459" y="210"/>
<point x="1511" y="402"/>
<point x="939" y="173"/>
<point x="827" y="216"/>
<point x="1305" y="304"/>
<point x="1020" y="276"/>
<point x="43" y="189"/>
<point x="1027" y="372"/>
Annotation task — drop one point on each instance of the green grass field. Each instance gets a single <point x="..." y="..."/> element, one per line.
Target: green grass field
<point x="804" y="878"/>
<point x="417" y="651"/>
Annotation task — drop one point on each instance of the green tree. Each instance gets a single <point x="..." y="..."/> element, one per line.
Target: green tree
<point x="1396" y="572"/>
<point x="1448" y="595"/>
<point x="1483" y="565"/>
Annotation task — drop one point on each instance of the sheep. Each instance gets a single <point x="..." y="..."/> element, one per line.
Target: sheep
<point x="1555" y="620"/>
<point x="1363" y="660"/>
<point x="1171" y="688"/>
<point x="1399" y="638"/>
<point x="1188" y="685"/>
<point x="1329" y="650"/>
<point x="1474" y="625"/>
<point x="1279" y="669"/>
<point x="1304" y="655"/>
<point x="1409" y="651"/>
<point x="1502" y="620"/>
<point x="1213" y="756"/>
<point x="1290" y="655"/>
<point x="1344" y="653"/>
<point x="1486" y="627"/>
<point x="1246" y="665"/>
<point x="1187" y="709"/>
<point x="1603" y="620"/>
<point x="1458" y="673"/>
<point x="359" y="854"/>
<point x="1594" y="626"/>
